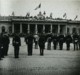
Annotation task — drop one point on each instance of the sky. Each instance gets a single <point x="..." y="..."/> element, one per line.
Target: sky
<point x="56" y="7"/>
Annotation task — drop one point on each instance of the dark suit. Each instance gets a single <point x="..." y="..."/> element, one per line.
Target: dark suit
<point x="68" y="40"/>
<point x="79" y="41"/>
<point x="42" y="44"/>
<point x="1" y="47"/>
<point x="55" y="41"/>
<point x="75" y="41"/>
<point x="6" y="44"/>
<point x="61" y="41"/>
<point x="16" y="43"/>
<point x="29" y="41"/>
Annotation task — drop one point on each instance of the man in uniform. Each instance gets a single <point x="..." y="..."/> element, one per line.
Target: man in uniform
<point x="68" y="40"/>
<point x="55" y="41"/>
<point x="75" y="41"/>
<point x="42" y="44"/>
<point x="79" y="41"/>
<point x="29" y="41"/>
<point x="16" y="43"/>
<point x="61" y="41"/>
<point x="1" y="46"/>
<point x="6" y="43"/>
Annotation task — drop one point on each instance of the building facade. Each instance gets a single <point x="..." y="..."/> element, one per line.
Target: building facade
<point x="39" y="24"/>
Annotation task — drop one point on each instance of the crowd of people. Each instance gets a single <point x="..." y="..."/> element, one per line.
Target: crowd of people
<point x="39" y="40"/>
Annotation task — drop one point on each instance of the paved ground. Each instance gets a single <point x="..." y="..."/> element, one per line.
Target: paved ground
<point x="54" y="62"/>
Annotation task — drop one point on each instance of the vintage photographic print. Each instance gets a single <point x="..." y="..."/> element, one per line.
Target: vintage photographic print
<point x="39" y="37"/>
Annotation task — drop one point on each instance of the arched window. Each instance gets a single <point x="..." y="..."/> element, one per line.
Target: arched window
<point x="3" y="28"/>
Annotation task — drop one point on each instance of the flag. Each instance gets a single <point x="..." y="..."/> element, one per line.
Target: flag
<point x="76" y="17"/>
<point x="65" y="15"/>
<point x="39" y="6"/>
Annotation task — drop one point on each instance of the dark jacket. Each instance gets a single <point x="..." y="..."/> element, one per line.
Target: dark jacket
<point x="42" y="42"/>
<point x="68" y="39"/>
<point x="16" y="41"/>
<point x="29" y="39"/>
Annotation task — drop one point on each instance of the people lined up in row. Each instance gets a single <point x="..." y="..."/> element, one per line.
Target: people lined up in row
<point x="38" y="40"/>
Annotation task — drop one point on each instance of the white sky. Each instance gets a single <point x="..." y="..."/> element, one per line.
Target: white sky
<point x="57" y="7"/>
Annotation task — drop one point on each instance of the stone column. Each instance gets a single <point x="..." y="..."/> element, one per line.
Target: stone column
<point x="66" y="29"/>
<point x="58" y="28"/>
<point x="28" y="28"/>
<point x="20" y="27"/>
<point x="12" y="27"/>
<point x="36" y="30"/>
<point x="51" y="28"/>
<point x="43" y="28"/>
<point x="71" y="30"/>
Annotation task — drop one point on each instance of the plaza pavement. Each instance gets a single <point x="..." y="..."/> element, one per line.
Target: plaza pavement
<point x="54" y="62"/>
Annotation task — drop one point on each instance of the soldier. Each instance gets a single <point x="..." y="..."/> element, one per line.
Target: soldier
<point x="29" y="41"/>
<point x="36" y="38"/>
<point x="1" y="47"/>
<point x="55" y="41"/>
<point x="75" y="41"/>
<point x="16" y="43"/>
<point x="79" y="41"/>
<point x="61" y="41"/>
<point x="68" y="40"/>
<point x="42" y="44"/>
<point x="6" y="43"/>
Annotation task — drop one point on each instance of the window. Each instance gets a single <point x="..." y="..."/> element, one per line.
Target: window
<point x="3" y="29"/>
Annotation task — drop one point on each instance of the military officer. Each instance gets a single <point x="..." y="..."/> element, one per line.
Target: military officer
<point x="1" y="47"/>
<point x="42" y="44"/>
<point x="75" y="41"/>
<point x="6" y="44"/>
<point x="79" y="41"/>
<point x="55" y="41"/>
<point x="16" y="43"/>
<point x="29" y="41"/>
<point x="68" y="40"/>
<point x="61" y="41"/>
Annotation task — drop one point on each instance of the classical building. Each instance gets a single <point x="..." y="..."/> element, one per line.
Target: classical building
<point x="38" y="24"/>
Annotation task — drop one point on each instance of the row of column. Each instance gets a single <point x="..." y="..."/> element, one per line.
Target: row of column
<point x="36" y="28"/>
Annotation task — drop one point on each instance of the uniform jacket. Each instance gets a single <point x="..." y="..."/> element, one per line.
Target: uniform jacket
<point x="16" y="41"/>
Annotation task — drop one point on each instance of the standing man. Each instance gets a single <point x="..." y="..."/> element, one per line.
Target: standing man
<point x="1" y="47"/>
<point x="79" y="41"/>
<point x="55" y="41"/>
<point x="29" y="41"/>
<point x="42" y="44"/>
<point x="16" y="43"/>
<point x="68" y="40"/>
<point x="75" y="41"/>
<point x="6" y="44"/>
<point x="61" y="41"/>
